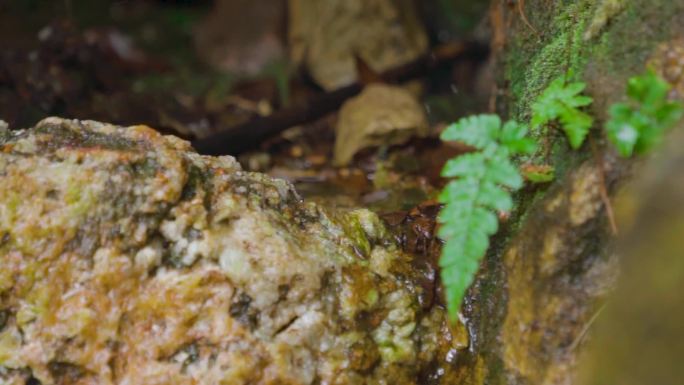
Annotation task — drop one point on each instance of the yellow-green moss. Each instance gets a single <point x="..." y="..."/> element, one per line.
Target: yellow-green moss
<point x="533" y="61"/>
<point x="606" y="10"/>
<point x="622" y="36"/>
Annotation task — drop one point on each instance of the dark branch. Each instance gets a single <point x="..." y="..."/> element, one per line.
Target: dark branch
<point x="242" y="137"/>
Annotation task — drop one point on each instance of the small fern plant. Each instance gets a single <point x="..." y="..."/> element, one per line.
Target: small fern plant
<point x="639" y="125"/>
<point x="562" y="101"/>
<point x="481" y="188"/>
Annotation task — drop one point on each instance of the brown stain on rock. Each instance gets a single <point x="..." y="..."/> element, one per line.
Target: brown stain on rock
<point x="552" y="265"/>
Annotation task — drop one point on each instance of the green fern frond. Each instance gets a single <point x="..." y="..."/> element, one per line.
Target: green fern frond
<point x="639" y="125"/>
<point x="481" y="188"/>
<point x="562" y="102"/>
<point x="478" y="131"/>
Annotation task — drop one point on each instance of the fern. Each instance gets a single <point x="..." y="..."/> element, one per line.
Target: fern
<point x="562" y="102"/>
<point x="640" y="124"/>
<point x="484" y="178"/>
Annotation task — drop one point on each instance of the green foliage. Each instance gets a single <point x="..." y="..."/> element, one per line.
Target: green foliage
<point x="484" y="179"/>
<point x="539" y="174"/>
<point x="638" y="125"/>
<point x="562" y="102"/>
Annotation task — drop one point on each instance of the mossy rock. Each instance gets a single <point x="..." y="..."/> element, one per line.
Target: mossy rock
<point x="548" y="269"/>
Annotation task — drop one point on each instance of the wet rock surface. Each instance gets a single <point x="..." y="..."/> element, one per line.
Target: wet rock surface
<point x="127" y="258"/>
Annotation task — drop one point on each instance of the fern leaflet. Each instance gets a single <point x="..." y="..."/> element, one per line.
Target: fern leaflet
<point x="562" y="102"/>
<point x="640" y="124"/>
<point x="472" y="200"/>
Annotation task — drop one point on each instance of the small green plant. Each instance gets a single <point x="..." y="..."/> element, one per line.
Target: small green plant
<point x="484" y="179"/>
<point x="562" y="101"/>
<point x="538" y="173"/>
<point x="639" y="124"/>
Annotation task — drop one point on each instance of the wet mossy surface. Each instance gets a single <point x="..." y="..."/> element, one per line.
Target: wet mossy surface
<point x="560" y="46"/>
<point x="551" y="265"/>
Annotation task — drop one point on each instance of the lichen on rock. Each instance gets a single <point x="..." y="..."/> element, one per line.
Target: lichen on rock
<point x="125" y="258"/>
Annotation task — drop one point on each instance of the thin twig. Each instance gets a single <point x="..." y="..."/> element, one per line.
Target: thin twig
<point x="603" y="190"/>
<point x="585" y="329"/>
<point x="493" y="96"/>
<point x="521" y="10"/>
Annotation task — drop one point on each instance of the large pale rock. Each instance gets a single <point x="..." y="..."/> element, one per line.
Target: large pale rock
<point x="324" y="36"/>
<point x="380" y="115"/>
<point x="126" y="258"/>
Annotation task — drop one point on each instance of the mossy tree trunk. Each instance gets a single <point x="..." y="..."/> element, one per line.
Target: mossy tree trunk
<point x="551" y="266"/>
